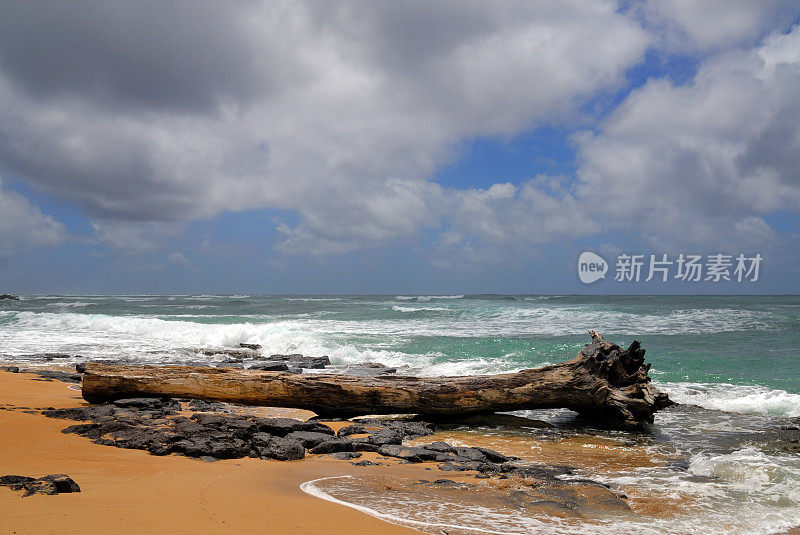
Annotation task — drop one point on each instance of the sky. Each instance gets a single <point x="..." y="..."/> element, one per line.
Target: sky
<point x="381" y="147"/>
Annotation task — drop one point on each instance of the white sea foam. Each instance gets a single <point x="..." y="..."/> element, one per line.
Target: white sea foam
<point x="747" y="492"/>
<point x="313" y="299"/>
<point x="155" y="339"/>
<point x="735" y="398"/>
<point x="426" y="298"/>
<point x="314" y="489"/>
<point x="73" y="304"/>
<point x="399" y="308"/>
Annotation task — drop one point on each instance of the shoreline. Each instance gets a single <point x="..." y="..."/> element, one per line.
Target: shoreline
<point x="131" y="491"/>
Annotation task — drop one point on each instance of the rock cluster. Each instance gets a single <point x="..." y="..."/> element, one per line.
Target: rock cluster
<point x="155" y="425"/>
<point x="52" y="484"/>
<point x="247" y="355"/>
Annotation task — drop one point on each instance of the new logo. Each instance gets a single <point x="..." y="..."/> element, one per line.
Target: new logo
<point x="591" y="267"/>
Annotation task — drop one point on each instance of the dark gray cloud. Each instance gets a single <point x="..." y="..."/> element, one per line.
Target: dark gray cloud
<point x="162" y="55"/>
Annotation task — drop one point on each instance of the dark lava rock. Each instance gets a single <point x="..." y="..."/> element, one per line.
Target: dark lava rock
<point x="284" y="426"/>
<point x="270" y="366"/>
<point x="411" y="454"/>
<point x="201" y="405"/>
<point x="278" y="356"/>
<point x="80" y="367"/>
<point x="64" y="377"/>
<point x="309" y="439"/>
<point x="254" y="347"/>
<point x="11" y="369"/>
<point x="334" y="445"/>
<point x="346" y="455"/>
<point x="234" y="355"/>
<point x="218" y="447"/>
<point x="369" y="369"/>
<point x="9" y="297"/>
<point x="375" y="365"/>
<point x="451" y="467"/>
<point x="153" y="425"/>
<point x="408" y="429"/>
<point x="300" y="361"/>
<point x="382" y="437"/>
<point x="440" y="446"/>
<point x="80" y="413"/>
<point x="52" y="484"/>
<point x="280" y="449"/>
<point x="353" y="429"/>
<point x="148" y="404"/>
<point x="493" y="456"/>
<point x="365" y="462"/>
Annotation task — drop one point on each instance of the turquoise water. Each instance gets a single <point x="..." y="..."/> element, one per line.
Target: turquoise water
<point x="738" y="340"/>
<point x="731" y="362"/>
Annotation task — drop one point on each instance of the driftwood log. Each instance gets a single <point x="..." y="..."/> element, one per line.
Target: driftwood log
<point x="603" y="381"/>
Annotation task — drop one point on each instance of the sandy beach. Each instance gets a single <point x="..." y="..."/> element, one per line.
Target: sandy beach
<point x="129" y="491"/>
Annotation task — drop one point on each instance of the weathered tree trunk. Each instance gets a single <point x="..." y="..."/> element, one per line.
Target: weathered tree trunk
<point x="605" y="381"/>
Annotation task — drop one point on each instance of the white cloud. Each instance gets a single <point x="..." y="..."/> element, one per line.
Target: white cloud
<point x="716" y="24"/>
<point x="179" y="259"/>
<point x="703" y="162"/>
<point x="135" y="237"/>
<point x="24" y="225"/>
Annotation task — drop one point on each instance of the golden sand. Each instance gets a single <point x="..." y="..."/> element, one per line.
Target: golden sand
<point x="130" y="491"/>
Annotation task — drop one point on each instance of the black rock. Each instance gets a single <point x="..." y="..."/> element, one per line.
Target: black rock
<point x="369" y="369"/>
<point x="148" y="404"/>
<point x="51" y="484"/>
<point x="469" y="455"/>
<point x="270" y="366"/>
<point x="493" y="456"/>
<point x="254" y="347"/>
<point x="408" y="453"/>
<point x="64" y="377"/>
<point x="440" y="446"/>
<point x="202" y="405"/>
<point x="382" y="437"/>
<point x="283" y="426"/>
<point x="365" y="462"/>
<point x="11" y="369"/>
<point x="280" y="449"/>
<point x="353" y="429"/>
<point x="309" y="439"/>
<point x="235" y="355"/>
<point x="8" y="297"/>
<point x="346" y="455"/>
<point x="77" y="413"/>
<point x="300" y="361"/>
<point x="334" y="445"/>
<point x="451" y="467"/>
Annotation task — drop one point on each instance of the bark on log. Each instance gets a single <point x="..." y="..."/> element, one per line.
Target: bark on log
<point x="604" y="381"/>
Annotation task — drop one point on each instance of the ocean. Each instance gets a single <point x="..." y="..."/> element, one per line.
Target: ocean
<point x="720" y="456"/>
